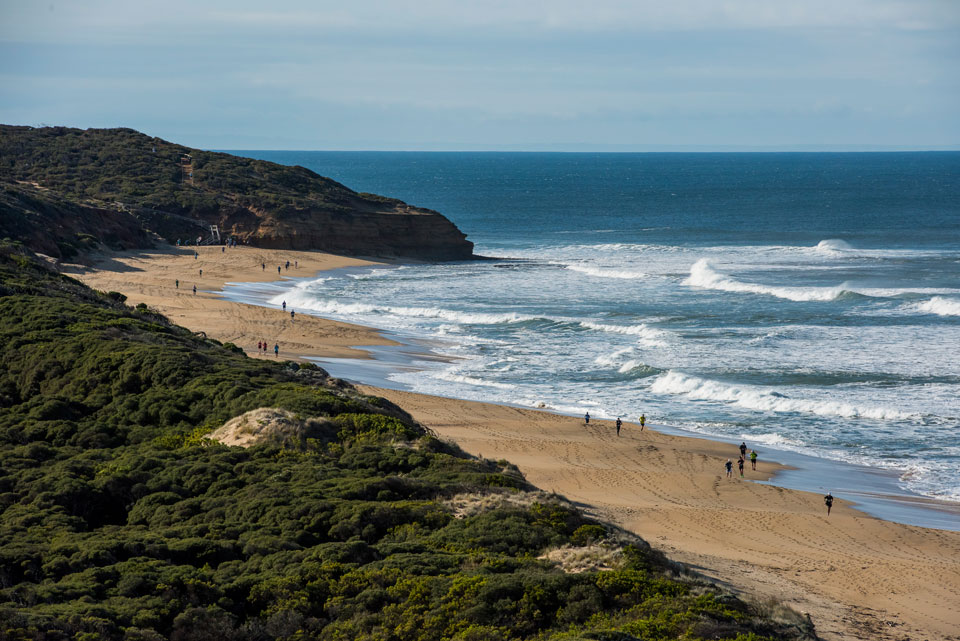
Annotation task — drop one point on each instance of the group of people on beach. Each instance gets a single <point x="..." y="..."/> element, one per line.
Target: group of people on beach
<point x="742" y="461"/>
<point x="263" y="347"/>
<point x="642" y="420"/>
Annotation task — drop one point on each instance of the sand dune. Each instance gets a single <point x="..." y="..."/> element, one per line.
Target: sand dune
<point x="858" y="577"/>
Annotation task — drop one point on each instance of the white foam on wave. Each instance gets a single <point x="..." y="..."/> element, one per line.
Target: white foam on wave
<point x="704" y="276"/>
<point x="832" y="246"/>
<point x="763" y="399"/>
<point x="938" y="305"/>
<point x="648" y="336"/>
<point x="452" y="377"/>
<point x="601" y="272"/>
<point x="307" y="301"/>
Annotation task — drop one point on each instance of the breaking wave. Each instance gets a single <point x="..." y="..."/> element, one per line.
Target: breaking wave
<point x="308" y="302"/>
<point x="703" y="275"/>
<point x="601" y="272"/>
<point x="649" y="336"/>
<point x="940" y="306"/>
<point x="761" y="399"/>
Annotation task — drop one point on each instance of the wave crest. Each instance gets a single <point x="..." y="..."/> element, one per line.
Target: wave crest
<point x="600" y="272"/>
<point x="940" y="306"/>
<point x="763" y="399"/>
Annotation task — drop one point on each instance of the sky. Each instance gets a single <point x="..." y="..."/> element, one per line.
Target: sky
<point x="565" y="75"/>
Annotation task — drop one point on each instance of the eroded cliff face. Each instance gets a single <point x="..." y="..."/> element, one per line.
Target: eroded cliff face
<point x="400" y="231"/>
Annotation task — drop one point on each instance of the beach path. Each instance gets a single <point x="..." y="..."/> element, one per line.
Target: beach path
<point x="857" y="576"/>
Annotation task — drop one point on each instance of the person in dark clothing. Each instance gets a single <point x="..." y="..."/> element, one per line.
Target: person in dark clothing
<point x="828" y="501"/>
<point x="619" y="425"/>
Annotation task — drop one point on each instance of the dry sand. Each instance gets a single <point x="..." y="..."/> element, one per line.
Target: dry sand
<point x="858" y="577"/>
<point x="150" y="277"/>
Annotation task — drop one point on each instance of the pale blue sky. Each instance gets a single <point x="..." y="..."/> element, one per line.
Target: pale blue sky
<point x="429" y="74"/>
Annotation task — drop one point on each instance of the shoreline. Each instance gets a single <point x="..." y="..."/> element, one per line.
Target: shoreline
<point x="875" y="492"/>
<point x="759" y="538"/>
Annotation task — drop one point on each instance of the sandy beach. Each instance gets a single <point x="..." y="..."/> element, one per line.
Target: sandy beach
<point x="151" y="277"/>
<point x="858" y="577"/>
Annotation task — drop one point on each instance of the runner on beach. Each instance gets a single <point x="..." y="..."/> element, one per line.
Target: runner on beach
<point x="284" y="305"/>
<point x="194" y="290"/>
<point x="291" y="315"/>
<point x="740" y="465"/>
<point x="278" y="268"/>
<point x="643" y="421"/>
<point x="828" y="501"/>
<point x="753" y="459"/>
<point x="586" y="418"/>
<point x="619" y="424"/>
<point x="259" y="347"/>
<point x="276" y="349"/>
<point x="729" y="466"/>
<point x="743" y="450"/>
<point x="201" y="273"/>
<point x="177" y="282"/>
<point x="263" y="267"/>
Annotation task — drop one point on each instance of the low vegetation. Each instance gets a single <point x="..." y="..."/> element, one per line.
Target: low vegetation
<point x="120" y="518"/>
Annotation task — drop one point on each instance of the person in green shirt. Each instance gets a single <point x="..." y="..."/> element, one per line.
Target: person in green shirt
<point x="753" y="459"/>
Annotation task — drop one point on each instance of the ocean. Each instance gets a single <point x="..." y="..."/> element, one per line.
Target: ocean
<point x="802" y="302"/>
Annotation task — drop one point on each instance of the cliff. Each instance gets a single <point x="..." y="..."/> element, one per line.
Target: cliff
<point x="64" y="189"/>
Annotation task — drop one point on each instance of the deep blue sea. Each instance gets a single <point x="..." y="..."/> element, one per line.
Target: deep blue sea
<point x="806" y="302"/>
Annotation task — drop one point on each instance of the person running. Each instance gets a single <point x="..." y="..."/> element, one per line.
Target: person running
<point x="177" y="283"/>
<point x="284" y="305"/>
<point x="586" y="418"/>
<point x="619" y="424"/>
<point x="743" y="450"/>
<point x="753" y="459"/>
<point x="194" y="290"/>
<point x="291" y="315"/>
<point x="276" y="349"/>
<point x="729" y="466"/>
<point x="263" y="267"/>
<point x="828" y="501"/>
<point x="223" y="249"/>
<point x="278" y="268"/>
<point x="259" y="347"/>
<point x="287" y="266"/>
<point x="643" y="421"/>
<point x="201" y="273"/>
<point x="740" y="465"/>
<point x="196" y="255"/>
<point x="296" y="264"/>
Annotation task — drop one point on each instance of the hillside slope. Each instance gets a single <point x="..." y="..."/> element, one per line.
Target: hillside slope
<point x="137" y="183"/>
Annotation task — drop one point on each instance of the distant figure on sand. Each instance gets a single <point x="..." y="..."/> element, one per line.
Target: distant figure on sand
<point x="177" y="282"/>
<point x="740" y="465"/>
<point x="828" y="501"/>
<point x="619" y="424"/>
<point x="284" y="305"/>
<point x="276" y="349"/>
<point x="586" y="418"/>
<point x="278" y="268"/>
<point x="643" y="421"/>
<point x="196" y="255"/>
<point x="259" y="347"/>
<point x="291" y="314"/>
<point x="729" y="466"/>
<point x="287" y="266"/>
<point x="753" y="459"/>
<point x="743" y="450"/>
<point x="201" y="273"/>
<point x="263" y="267"/>
<point x="194" y="290"/>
